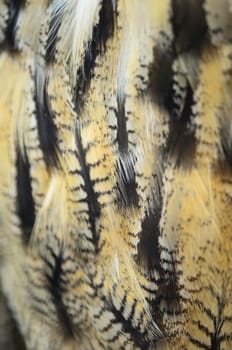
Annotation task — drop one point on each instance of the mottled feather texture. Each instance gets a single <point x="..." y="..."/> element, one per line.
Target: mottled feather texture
<point x="116" y="174"/>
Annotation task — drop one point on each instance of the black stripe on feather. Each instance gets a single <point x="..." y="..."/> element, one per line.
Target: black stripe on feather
<point x="50" y="49"/>
<point x="126" y="184"/>
<point x="14" y="10"/>
<point x="102" y="31"/>
<point x="25" y="202"/>
<point x="181" y="142"/>
<point x="188" y="23"/>
<point x="46" y="128"/>
<point x="138" y="338"/>
<point x="56" y="287"/>
<point x="92" y="198"/>
<point x="148" y="247"/>
<point x="161" y="78"/>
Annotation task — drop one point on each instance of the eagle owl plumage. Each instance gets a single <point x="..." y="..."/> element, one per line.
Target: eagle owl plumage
<point x="116" y="174"/>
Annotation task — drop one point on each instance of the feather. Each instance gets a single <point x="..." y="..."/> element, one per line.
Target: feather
<point x="115" y="173"/>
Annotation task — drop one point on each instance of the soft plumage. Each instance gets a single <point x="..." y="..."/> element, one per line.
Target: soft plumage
<point x="115" y="173"/>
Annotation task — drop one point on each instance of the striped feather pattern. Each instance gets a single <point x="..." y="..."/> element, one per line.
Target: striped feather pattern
<point x="115" y="173"/>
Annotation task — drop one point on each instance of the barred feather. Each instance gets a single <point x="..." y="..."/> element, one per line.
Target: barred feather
<point x="115" y="176"/>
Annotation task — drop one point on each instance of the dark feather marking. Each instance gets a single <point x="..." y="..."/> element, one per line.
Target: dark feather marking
<point x="138" y="338"/>
<point x="167" y="298"/>
<point x="190" y="33"/>
<point x="47" y="129"/>
<point x="92" y="198"/>
<point x="25" y="202"/>
<point x="122" y="134"/>
<point x="52" y="38"/>
<point x="102" y="31"/>
<point x="148" y="256"/>
<point x="215" y="342"/>
<point x="189" y="24"/>
<point x="199" y="344"/>
<point x="226" y="144"/>
<point x="148" y="246"/>
<point x="126" y="184"/>
<point x="168" y="292"/>
<point x="218" y="336"/>
<point x="181" y="141"/>
<point x="227" y="150"/>
<point x="160" y="78"/>
<point x="57" y="288"/>
<point x="14" y="10"/>
<point x="105" y="26"/>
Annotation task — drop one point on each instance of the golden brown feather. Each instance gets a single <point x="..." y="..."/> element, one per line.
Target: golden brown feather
<point x="115" y="174"/>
